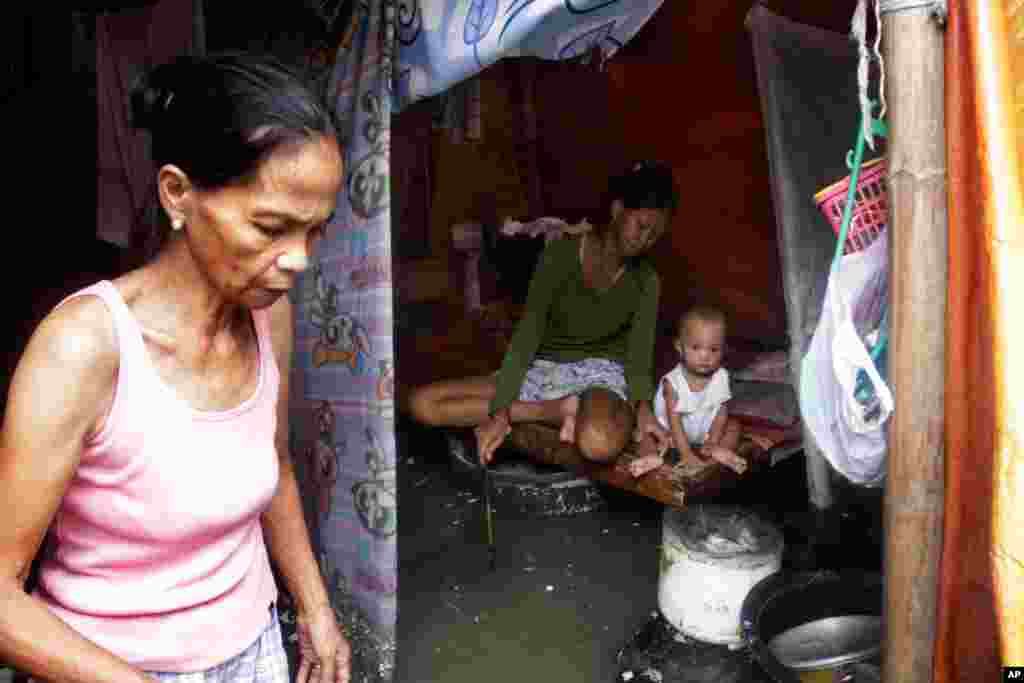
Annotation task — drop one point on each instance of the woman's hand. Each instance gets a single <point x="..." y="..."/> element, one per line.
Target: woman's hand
<point x="325" y="655"/>
<point x="490" y="434"/>
<point x="647" y="425"/>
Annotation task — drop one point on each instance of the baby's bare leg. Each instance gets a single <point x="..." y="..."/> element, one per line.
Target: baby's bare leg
<point x="731" y="437"/>
<point x="723" y="450"/>
<point x="649" y="457"/>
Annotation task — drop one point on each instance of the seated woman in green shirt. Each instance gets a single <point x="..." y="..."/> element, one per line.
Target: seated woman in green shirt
<point x="581" y="357"/>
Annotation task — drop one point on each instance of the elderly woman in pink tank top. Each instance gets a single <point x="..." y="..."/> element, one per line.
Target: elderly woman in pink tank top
<point x="147" y="420"/>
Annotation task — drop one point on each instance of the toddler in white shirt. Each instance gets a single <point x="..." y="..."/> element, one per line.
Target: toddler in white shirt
<point x="692" y="398"/>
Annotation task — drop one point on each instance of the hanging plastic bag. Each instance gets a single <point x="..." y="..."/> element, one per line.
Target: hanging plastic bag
<point x="844" y="400"/>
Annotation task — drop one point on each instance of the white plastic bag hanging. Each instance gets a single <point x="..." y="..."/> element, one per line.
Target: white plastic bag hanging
<point x="844" y="400"/>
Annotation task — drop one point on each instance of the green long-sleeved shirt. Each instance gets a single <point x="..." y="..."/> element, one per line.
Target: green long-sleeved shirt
<point x="566" y="321"/>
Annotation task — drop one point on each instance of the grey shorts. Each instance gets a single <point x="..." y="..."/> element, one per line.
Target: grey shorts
<point x="546" y="380"/>
<point x="265" y="661"/>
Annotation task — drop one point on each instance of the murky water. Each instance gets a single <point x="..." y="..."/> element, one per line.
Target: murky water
<point x="566" y="593"/>
<point x="570" y="596"/>
<point x="517" y="635"/>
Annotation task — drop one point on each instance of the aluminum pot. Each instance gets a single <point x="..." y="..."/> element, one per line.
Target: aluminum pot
<point x="804" y="627"/>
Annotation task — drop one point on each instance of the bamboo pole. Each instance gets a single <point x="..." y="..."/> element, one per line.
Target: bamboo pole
<point x="913" y="51"/>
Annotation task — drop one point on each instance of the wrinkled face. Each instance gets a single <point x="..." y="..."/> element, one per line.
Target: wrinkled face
<point x="638" y="229"/>
<point x="251" y="240"/>
<point x="700" y="346"/>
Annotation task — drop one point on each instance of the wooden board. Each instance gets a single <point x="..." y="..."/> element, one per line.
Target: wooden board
<point x="671" y="485"/>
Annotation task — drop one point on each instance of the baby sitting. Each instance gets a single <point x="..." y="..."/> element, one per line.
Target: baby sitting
<point x="691" y="399"/>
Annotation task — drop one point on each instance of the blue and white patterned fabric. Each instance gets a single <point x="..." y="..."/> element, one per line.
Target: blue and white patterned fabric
<point x="443" y="42"/>
<point x="399" y="51"/>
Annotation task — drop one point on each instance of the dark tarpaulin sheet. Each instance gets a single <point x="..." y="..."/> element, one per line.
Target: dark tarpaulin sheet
<point x="807" y="79"/>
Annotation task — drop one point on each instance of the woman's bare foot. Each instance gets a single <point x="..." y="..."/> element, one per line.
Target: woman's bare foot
<point x="726" y="457"/>
<point x="570" y="404"/>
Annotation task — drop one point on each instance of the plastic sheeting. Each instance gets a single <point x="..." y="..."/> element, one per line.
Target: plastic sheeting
<point x="807" y="80"/>
<point x="981" y="593"/>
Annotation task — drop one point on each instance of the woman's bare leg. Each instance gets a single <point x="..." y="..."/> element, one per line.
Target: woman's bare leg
<point x="569" y="405"/>
<point x="454" y="403"/>
<point x="604" y="424"/>
<point x="465" y="402"/>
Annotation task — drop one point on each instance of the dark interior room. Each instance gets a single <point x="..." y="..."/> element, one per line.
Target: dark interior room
<point x="577" y="592"/>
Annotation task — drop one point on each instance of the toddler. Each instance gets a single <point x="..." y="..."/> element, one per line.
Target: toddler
<point x="691" y="399"/>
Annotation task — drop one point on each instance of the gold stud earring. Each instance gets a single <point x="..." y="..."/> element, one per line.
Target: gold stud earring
<point x="177" y="224"/>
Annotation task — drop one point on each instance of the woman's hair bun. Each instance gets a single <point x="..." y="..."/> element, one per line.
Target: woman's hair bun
<point x="153" y="94"/>
<point x="647" y="184"/>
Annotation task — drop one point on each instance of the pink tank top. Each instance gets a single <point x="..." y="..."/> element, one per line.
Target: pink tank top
<point x="159" y="552"/>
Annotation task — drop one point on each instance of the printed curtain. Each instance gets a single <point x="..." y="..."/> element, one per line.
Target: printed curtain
<point x="397" y="51"/>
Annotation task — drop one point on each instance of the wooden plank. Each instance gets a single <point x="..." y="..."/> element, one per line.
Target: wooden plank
<point x="673" y="486"/>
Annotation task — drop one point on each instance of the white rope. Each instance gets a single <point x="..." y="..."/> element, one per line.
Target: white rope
<point x="881" y="62"/>
<point x="858" y="30"/>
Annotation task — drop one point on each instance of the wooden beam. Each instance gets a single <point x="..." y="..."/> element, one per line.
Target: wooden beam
<point x="913" y="50"/>
<point x="673" y="486"/>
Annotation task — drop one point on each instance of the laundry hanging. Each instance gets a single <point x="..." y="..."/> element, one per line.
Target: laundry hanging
<point x="128" y="42"/>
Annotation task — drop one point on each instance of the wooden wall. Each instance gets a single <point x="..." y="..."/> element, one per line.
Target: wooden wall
<point x="684" y="91"/>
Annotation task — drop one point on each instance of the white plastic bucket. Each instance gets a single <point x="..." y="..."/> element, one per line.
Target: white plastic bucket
<point x="711" y="556"/>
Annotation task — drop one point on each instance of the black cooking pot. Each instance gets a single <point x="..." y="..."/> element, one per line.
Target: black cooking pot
<point x="802" y="621"/>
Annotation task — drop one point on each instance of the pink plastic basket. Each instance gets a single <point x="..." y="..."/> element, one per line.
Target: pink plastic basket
<point x="870" y="210"/>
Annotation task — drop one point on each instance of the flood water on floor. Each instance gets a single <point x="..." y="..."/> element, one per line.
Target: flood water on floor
<point x="571" y="594"/>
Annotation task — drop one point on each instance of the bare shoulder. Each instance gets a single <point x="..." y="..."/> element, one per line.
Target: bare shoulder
<point x="61" y="391"/>
<point x="69" y="365"/>
<point x="78" y="336"/>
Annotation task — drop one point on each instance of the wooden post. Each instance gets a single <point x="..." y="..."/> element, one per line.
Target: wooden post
<point x="913" y="51"/>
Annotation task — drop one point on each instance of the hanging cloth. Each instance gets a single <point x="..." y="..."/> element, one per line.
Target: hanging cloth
<point x="128" y="42"/>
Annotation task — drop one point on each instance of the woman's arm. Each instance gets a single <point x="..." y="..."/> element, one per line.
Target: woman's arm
<point x="640" y="351"/>
<point x="284" y="522"/>
<point x="639" y="366"/>
<point x="287" y="536"/>
<point x="60" y="394"/>
<point x="551" y="269"/>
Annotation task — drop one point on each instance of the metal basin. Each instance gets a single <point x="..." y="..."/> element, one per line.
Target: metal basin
<point x="807" y="626"/>
<point x="828" y="643"/>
